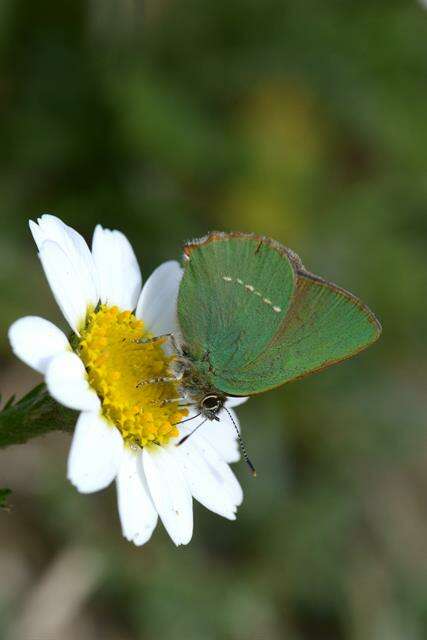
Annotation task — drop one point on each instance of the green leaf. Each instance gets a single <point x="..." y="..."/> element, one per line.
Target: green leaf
<point x="33" y="415"/>
<point x="4" y="493"/>
<point x="9" y="402"/>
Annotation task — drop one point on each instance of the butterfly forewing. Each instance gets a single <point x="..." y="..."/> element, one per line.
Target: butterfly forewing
<point x="234" y="295"/>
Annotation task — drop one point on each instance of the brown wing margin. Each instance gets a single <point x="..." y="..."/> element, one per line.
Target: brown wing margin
<point x="214" y="236"/>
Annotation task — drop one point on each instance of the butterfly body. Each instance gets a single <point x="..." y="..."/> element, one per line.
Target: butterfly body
<point x="253" y="318"/>
<point x="197" y="384"/>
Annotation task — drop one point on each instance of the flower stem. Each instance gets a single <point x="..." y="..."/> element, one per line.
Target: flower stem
<point x="33" y="415"/>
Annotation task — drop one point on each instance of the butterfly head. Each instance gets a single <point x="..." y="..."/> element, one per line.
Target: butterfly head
<point x="211" y="404"/>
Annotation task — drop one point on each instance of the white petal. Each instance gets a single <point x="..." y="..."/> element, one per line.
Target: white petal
<point x="220" y="469"/>
<point x="137" y="513"/>
<point x="50" y="227"/>
<point x="96" y="453"/>
<point x="221" y="434"/>
<point x="36" y="341"/>
<point x="169" y="492"/>
<point x="72" y="244"/>
<point x="67" y="382"/>
<point x="118" y="271"/>
<point x="37" y="233"/>
<point x="64" y="280"/>
<point x="157" y="302"/>
<point x="236" y="402"/>
<point x="207" y="486"/>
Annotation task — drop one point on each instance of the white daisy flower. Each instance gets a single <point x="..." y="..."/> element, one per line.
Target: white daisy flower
<point x="125" y="432"/>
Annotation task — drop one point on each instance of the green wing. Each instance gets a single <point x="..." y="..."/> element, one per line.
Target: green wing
<point x="321" y="324"/>
<point x="230" y="288"/>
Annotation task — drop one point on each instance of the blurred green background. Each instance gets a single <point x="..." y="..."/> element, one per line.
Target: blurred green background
<point x="302" y="120"/>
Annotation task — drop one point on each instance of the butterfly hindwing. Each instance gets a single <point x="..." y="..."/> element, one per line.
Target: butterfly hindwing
<point x="324" y="325"/>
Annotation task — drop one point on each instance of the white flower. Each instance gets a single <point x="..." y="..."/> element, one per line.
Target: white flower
<point x="125" y="432"/>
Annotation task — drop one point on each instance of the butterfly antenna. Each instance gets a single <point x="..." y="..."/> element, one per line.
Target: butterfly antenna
<point x="188" y="419"/>
<point x="242" y="446"/>
<point x="191" y="433"/>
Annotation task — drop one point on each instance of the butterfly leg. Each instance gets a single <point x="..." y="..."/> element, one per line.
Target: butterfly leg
<point x="163" y="403"/>
<point x="173" y="341"/>
<point x="137" y="342"/>
<point x="150" y="340"/>
<point x="170" y="336"/>
<point x="160" y="380"/>
<point x="184" y="398"/>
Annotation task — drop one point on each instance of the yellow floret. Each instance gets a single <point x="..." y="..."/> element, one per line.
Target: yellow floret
<point x="116" y="364"/>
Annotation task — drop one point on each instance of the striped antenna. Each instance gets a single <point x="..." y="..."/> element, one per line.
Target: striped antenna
<point x="242" y="446"/>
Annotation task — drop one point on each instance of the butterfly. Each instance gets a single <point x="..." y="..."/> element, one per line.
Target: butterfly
<point x="252" y="318"/>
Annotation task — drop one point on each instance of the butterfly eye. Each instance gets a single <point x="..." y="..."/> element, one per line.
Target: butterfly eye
<point x="211" y="403"/>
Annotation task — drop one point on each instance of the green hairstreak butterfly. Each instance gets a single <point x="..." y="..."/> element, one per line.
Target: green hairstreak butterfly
<point x="253" y="317"/>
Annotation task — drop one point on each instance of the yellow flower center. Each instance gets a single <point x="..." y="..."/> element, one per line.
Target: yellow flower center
<point x="117" y="368"/>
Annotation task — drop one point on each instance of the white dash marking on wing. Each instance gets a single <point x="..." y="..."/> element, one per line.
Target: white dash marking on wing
<point x="251" y="289"/>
